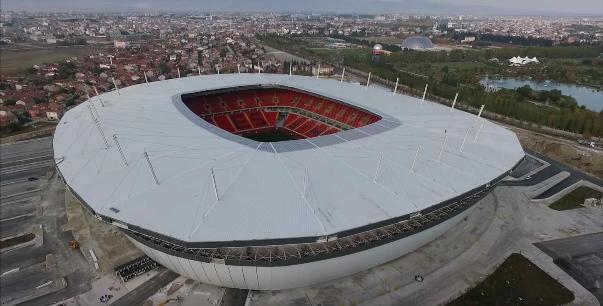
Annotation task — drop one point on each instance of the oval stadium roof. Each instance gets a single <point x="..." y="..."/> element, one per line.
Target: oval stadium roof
<point x="216" y="186"/>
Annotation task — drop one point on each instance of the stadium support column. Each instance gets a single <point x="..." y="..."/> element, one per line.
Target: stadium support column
<point x="98" y="96"/>
<point x="146" y="156"/>
<point x="479" y="130"/>
<point x="454" y="101"/>
<point x="442" y="148"/>
<point x="213" y="180"/>
<point x="116" y="88"/>
<point x="424" y="93"/>
<point x="98" y="127"/>
<point x="121" y="152"/>
<point x="378" y="168"/>
<point x="412" y="167"/>
<point x="305" y="181"/>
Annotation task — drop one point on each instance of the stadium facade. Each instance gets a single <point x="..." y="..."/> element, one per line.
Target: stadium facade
<point x="360" y="177"/>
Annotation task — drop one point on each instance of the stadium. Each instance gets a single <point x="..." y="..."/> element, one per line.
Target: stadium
<point x="265" y="182"/>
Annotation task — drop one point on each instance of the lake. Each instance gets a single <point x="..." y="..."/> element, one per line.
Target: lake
<point x="590" y="98"/>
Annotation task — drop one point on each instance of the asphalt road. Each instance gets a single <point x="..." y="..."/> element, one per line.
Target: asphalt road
<point x="581" y="257"/>
<point x="31" y="197"/>
<point x="148" y="288"/>
<point x="554" y="168"/>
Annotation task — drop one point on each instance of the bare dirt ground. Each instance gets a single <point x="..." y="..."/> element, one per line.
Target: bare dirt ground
<point x="566" y="151"/>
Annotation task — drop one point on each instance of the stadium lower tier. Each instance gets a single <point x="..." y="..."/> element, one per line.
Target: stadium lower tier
<point x="247" y="111"/>
<point x="283" y="266"/>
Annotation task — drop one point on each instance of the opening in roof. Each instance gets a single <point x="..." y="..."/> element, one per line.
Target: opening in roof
<point x="271" y="114"/>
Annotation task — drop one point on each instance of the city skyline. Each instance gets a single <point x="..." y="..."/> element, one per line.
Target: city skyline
<point x="437" y="7"/>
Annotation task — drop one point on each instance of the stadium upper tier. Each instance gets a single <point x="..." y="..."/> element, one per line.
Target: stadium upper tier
<point x="299" y="114"/>
<point x="395" y="157"/>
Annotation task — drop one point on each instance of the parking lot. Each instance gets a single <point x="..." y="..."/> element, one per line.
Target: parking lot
<point x="42" y="270"/>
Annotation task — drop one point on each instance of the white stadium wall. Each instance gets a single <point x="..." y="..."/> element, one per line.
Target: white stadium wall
<point x="293" y="276"/>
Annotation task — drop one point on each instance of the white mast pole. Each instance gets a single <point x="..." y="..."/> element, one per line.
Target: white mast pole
<point x="342" y="75"/>
<point x="146" y="80"/>
<point x="424" y="93"/>
<point x="199" y="70"/>
<point x="290" y="68"/>
<point x="378" y="168"/>
<point x="396" y="87"/>
<point x="465" y="138"/>
<point x="98" y="127"/>
<point x="442" y="148"/>
<point x="178" y="72"/>
<point x="454" y="102"/>
<point x="479" y="114"/>
<point x="318" y="71"/>
<point x="305" y="181"/>
<point x="146" y="156"/>
<point x="116" y="88"/>
<point x="213" y="179"/>
<point x="412" y="167"/>
<point x="238" y="68"/>
<point x="479" y="130"/>
<point x="121" y="152"/>
<point x="368" y="80"/>
<point x="98" y="96"/>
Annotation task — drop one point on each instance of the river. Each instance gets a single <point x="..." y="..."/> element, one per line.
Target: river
<point x="589" y="97"/>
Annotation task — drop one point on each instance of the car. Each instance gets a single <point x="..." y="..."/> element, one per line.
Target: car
<point x="527" y="177"/>
<point x="32" y="179"/>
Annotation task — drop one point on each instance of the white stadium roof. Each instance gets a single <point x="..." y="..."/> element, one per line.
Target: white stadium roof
<point x="260" y="185"/>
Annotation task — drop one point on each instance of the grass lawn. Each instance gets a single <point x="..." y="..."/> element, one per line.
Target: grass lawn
<point x="576" y="198"/>
<point x="517" y="281"/>
<point x="269" y="136"/>
<point x="31" y="128"/>
<point x="14" y="62"/>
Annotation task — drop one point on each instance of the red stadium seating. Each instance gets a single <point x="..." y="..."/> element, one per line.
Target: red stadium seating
<point x="254" y="110"/>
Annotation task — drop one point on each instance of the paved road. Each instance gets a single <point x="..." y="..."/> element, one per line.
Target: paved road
<point x="581" y="257"/>
<point x="554" y="168"/>
<point x="148" y="288"/>
<point x="23" y="160"/>
<point x="575" y="176"/>
<point x="27" y="203"/>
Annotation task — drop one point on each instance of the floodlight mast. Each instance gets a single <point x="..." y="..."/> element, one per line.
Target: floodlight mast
<point x="424" y="92"/>
<point x="454" y="101"/>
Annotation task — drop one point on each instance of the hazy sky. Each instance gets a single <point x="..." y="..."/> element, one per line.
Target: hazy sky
<point x="590" y="7"/>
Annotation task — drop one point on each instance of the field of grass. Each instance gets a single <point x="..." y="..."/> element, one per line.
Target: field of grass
<point x="269" y="136"/>
<point x="15" y="62"/>
<point x="575" y="198"/>
<point x="6" y="131"/>
<point x="517" y="281"/>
